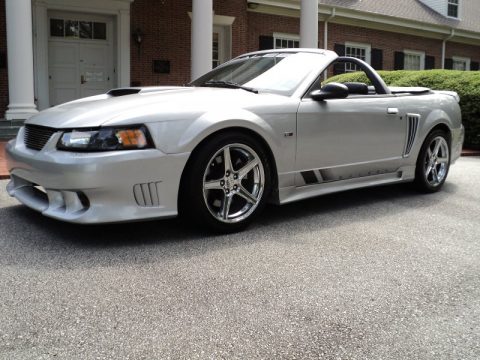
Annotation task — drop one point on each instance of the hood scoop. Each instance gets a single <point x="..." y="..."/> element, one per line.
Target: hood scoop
<point x="141" y="90"/>
<point x="123" y="91"/>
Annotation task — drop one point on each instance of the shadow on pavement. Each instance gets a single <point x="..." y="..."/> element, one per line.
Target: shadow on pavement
<point x="27" y="236"/>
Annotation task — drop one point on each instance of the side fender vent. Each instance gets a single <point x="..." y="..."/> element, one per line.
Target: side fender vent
<point x="412" y="127"/>
<point x="147" y="194"/>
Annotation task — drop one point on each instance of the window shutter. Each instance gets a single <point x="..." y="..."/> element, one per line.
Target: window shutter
<point x="474" y="66"/>
<point x="339" y="49"/>
<point x="265" y="42"/>
<point x="429" y="62"/>
<point x="3" y="60"/>
<point x="339" y="68"/>
<point x="399" y="60"/>
<point x="449" y="64"/>
<point x="377" y="59"/>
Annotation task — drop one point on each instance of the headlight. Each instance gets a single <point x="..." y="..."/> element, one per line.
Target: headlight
<point x="105" y="139"/>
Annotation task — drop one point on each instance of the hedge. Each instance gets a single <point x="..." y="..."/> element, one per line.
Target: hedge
<point x="465" y="83"/>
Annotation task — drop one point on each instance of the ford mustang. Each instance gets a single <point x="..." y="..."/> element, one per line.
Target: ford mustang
<point x="263" y="127"/>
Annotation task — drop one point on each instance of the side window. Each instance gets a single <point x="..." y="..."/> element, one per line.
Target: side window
<point x="357" y="88"/>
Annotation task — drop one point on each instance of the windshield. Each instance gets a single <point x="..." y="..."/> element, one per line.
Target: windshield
<point x="279" y="73"/>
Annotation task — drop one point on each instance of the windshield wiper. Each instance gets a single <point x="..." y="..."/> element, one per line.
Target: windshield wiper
<point x="228" y="85"/>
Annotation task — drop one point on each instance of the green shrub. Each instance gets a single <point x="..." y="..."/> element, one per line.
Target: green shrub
<point x="465" y="83"/>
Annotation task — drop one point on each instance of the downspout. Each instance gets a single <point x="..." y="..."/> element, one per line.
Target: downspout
<point x="325" y="33"/>
<point x="444" y="45"/>
<point x="325" y="29"/>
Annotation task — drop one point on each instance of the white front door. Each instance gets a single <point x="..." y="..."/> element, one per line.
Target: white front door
<point x="80" y="53"/>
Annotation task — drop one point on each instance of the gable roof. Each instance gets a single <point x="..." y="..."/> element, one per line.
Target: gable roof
<point x="415" y="10"/>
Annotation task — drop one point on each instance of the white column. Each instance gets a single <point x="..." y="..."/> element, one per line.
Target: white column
<point x="20" y="60"/>
<point x="202" y="29"/>
<point x="309" y="24"/>
<point x="123" y="48"/>
<point x="40" y="42"/>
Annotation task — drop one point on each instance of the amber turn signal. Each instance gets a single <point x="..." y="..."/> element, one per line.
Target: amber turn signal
<point x="132" y="138"/>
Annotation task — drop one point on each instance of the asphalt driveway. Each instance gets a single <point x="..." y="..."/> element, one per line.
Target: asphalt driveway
<point x="380" y="273"/>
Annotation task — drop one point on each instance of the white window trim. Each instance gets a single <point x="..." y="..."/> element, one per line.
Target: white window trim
<point x="458" y="11"/>
<point x="367" y="47"/>
<point x="415" y="52"/>
<point x="461" y="58"/>
<point x="284" y="36"/>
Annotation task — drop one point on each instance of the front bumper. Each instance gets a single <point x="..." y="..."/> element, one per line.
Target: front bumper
<point x="99" y="187"/>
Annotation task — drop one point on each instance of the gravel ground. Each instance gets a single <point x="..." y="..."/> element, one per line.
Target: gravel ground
<point x="381" y="273"/>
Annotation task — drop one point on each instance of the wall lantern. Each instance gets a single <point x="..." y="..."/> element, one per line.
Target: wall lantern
<point x="138" y="37"/>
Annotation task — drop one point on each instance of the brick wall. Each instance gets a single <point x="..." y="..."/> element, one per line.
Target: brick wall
<point x="167" y="28"/>
<point x="263" y="24"/>
<point x="389" y="42"/>
<point x="456" y="49"/>
<point x="3" y="70"/>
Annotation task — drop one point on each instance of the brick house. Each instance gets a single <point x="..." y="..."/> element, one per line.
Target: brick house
<point x="52" y="51"/>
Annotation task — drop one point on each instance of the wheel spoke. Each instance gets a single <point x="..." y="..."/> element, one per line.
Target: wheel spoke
<point x="227" y="159"/>
<point x="246" y="169"/>
<point x="212" y="185"/>
<point x="429" y="152"/>
<point x="428" y="171"/>
<point x="442" y="160"/>
<point x="438" y="142"/>
<point x="244" y="193"/>
<point x="226" y="207"/>
<point x="435" y="175"/>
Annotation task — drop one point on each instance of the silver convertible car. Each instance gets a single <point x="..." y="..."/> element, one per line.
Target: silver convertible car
<point x="263" y="127"/>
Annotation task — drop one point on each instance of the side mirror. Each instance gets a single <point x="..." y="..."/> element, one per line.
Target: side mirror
<point x="330" y="91"/>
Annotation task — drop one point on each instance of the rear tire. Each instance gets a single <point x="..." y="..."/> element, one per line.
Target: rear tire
<point x="433" y="162"/>
<point x="226" y="184"/>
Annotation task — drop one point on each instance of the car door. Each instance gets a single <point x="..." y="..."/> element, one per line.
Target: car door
<point x="351" y="137"/>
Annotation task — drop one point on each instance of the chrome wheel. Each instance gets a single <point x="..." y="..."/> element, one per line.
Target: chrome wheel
<point x="436" y="161"/>
<point x="233" y="183"/>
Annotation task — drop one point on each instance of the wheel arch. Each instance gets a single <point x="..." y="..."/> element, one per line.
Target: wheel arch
<point x="444" y="127"/>
<point x="236" y="129"/>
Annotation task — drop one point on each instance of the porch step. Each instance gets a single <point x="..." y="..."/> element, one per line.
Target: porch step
<point x="9" y="129"/>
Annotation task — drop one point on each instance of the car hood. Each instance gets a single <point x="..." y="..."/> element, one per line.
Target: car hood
<point x="149" y="105"/>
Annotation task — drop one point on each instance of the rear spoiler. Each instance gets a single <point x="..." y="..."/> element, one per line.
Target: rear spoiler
<point x="410" y="90"/>
<point x="450" y="93"/>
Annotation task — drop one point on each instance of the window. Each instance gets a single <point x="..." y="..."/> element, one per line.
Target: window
<point x="452" y="10"/>
<point x="414" y="60"/>
<point x="75" y="29"/>
<point x="285" y="41"/>
<point x="461" y="63"/>
<point x="359" y="51"/>
<point x="215" y="50"/>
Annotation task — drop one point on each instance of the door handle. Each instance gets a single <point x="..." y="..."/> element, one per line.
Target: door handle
<point x="392" y="111"/>
<point x="82" y="79"/>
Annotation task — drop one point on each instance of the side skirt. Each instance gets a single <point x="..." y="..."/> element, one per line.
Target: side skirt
<point x="292" y="193"/>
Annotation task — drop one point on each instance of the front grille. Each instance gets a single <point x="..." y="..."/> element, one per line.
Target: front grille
<point x="37" y="136"/>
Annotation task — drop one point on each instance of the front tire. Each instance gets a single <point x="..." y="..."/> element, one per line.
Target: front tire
<point x="227" y="183"/>
<point x="433" y="162"/>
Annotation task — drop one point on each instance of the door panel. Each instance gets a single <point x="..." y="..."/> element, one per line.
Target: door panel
<point x="350" y="132"/>
<point x="94" y="67"/>
<point x="80" y="63"/>
<point x="64" y="72"/>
